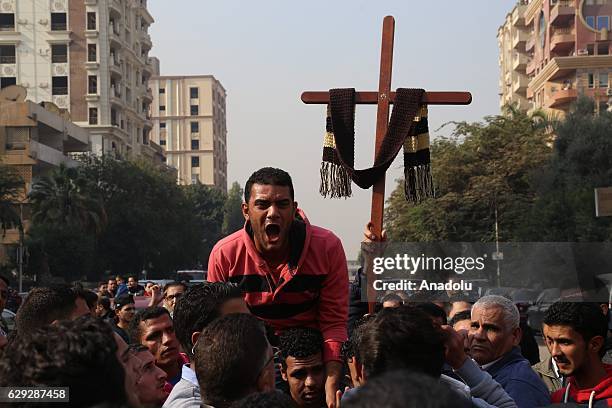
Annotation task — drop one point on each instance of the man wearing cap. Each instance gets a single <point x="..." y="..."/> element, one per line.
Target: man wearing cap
<point x="124" y="310"/>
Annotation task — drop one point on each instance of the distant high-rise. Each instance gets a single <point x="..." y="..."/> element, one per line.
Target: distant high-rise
<point x="564" y="49"/>
<point x="189" y="123"/>
<point x="89" y="57"/>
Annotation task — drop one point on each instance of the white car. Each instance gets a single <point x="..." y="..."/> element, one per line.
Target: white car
<point x="9" y="318"/>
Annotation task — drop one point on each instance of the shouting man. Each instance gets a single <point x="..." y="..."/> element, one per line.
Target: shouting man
<point x="292" y="273"/>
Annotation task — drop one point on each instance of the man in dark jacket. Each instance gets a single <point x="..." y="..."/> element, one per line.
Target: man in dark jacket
<point x="494" y="338"/>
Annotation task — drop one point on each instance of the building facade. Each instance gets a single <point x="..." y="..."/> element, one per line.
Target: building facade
<point x="188" y="115"/>
<point x="89" y="57"/>
<point x="34" y="140"/>
<point x="567" y="50"/>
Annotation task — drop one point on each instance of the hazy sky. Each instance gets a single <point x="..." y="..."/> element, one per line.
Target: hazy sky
<point x="265" y="53"/>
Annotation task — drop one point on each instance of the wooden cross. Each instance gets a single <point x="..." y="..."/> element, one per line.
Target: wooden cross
<point x="383" y="98"/>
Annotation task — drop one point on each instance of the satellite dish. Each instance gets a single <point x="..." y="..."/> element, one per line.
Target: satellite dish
<point x="13" y="93"/>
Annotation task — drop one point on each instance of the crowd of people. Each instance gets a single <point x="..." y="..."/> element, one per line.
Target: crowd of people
<point x="275" y="325"/>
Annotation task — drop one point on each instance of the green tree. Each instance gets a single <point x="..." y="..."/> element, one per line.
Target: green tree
<point x="582" y="161"/>
<point x="480" y="167"/>
<point x="233" y="220"/>
<point x="208" y="203"/>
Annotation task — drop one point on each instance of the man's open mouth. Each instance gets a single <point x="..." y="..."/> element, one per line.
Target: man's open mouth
<point x="273" y="232"/>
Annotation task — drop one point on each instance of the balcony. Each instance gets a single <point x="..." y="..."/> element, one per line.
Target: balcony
<point x="519" y="61"/>
<point x="562" y="97"/>
<point x="148" y="96"/>
<point x="530" y="44"/>
<point x="115" y="69"/>
<point x="519" y="38"/>
<point x="562" y="39"/>
<point x="518" y="15"/>
<point x="562" y="13"/>
<point x="145" y="40"/>
<point x="115" y="9"/>
<point x="142" y="5"/>
<point x="519" y="84"/>
<point x="114" y="37"/>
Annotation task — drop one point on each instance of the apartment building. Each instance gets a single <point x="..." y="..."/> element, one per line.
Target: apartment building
<point x="34" y="140"/>
<point x="188" y="115"/>
<point x="567" y="53"/>
<point x="89" y="57"/>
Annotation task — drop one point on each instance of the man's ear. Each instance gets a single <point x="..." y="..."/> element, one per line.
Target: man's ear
<point x="283" y="371"/>
<point x="517" y="334"/>
<point x="360" y="370"/>
<point x="245" y="211"/>
<point x="295" y="207"/>
<point x="595" y="344"/>
<point x="194" y="337"/>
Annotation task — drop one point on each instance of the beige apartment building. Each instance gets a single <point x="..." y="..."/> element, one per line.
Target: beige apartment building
<point x="552" y="51"/>
<point x="89" y="57"/>
<point x="188" y="115"/>
<point x="34" y="140"/>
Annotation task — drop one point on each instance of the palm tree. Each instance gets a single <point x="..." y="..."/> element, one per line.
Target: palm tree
<point x="64" y="198"/>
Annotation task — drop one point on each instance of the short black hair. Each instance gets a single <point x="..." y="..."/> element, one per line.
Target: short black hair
<point x="200" y="305"/>
<point x="153" y="312"/>
<point x="392" y="297"/>
<point x="268" y="176"/>
<point x="459" y="316"/>
<point x="104" y="302"/>
<point x="350" y="348"/>
<point x="300" y="342"/>
<point x="404" y="389"/>
<point x="432" y="310"/>
<point x="133" y="277"/>
<point x="173" y="284"/>
<point x="270" y="399"/>
<point x="5" y="279"/>
<point x="122" y="300"/>
<point x="43" y="306"/>
<point x="402" y="338"/>
<point x="585" y="318"/>
<point x="229" y="356"/>
<point x="79" y="354"/>
<point x="90" y="298"/>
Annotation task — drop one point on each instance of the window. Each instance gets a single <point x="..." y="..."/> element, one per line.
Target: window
<point x="91" y="21"/>
<point x="7" y="54"/>
<point x="59" y="53"/>
<point x="195" y="144"/>
<point x="162" y="142"/>
<point x="590" y="20"/>
<point x="591" y="80"/>
<point x="92" y="84"/>
<point x="162" y="90"/>
<point x="58" y="22"/>
<point x="195" y="161"/>
<point x="194" y="93"/>
<point x="93" y="116"/>
<point x="195" y="110"/>
<point x="603" y="22"/>
<point x="162" y="108"/>
<point x="603" y="48"/>
<point x="162" y="125"/>
<point x="59" y="85"/>
<point x="195" y="127"/>
<point x="7" y="81"/>
<point x="7" y="22"/>
<point x="92" y="52"/>
<point x="603" y="79"/>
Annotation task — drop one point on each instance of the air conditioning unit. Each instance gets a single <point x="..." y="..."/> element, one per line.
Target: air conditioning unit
<point x="583" y="51"/>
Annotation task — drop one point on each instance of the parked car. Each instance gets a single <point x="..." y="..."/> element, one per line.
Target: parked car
<point x="537" y="311"/>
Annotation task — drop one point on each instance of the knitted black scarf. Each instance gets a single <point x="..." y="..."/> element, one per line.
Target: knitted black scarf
<point x="407" y="128"/>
